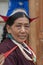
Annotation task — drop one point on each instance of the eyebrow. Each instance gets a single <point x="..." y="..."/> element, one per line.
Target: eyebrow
<point x="22" y="23"/>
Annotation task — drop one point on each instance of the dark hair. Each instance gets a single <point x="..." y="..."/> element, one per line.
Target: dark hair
<point x="11" y="20"/>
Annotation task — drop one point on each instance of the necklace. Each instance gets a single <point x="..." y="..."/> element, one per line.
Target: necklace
<point x="24" y="53"/>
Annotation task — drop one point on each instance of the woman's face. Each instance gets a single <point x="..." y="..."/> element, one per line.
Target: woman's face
<point x="20" y="29"/>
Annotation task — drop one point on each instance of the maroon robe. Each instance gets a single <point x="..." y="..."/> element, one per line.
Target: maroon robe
<point x="16" y="57"/>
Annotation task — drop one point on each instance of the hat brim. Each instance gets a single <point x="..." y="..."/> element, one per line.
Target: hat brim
<point x="5" y="18"/>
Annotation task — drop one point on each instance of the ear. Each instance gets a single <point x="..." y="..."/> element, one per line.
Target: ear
<point x="8" y="29"/>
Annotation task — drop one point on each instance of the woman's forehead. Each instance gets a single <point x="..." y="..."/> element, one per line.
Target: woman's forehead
<point x="22" y="20"/>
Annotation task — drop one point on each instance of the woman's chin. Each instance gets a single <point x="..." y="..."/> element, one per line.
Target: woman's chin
<point x="22" y="40"/>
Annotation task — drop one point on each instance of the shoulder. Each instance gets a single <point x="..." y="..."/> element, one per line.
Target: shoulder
<point x="6" y="45"/>
<point x="7" y="42"/>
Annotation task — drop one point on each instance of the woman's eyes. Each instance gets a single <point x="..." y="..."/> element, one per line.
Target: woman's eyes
<point x="26" y="25"/>
<point x="20" y="26"/>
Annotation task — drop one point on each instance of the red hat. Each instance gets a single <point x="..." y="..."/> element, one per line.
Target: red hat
<point x="5" y="18"/>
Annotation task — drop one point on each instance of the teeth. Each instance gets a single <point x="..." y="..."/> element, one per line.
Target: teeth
<point x="22" y="37"/>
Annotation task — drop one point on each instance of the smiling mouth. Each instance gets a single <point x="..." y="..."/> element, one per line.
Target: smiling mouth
<point x="22" y="37"/>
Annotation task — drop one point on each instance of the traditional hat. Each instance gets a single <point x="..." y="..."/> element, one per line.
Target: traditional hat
<point x="17" y="6"/>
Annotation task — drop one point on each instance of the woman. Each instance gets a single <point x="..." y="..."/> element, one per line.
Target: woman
<point x="16" y="31"/>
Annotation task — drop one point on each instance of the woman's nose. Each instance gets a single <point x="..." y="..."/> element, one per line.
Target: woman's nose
<point x="23" y="29"/>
